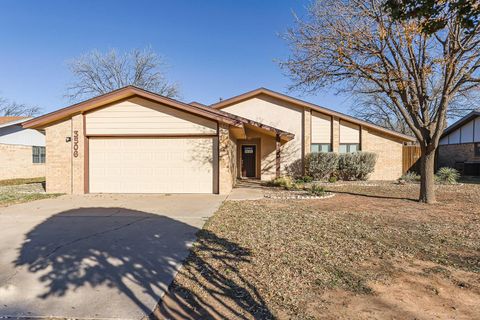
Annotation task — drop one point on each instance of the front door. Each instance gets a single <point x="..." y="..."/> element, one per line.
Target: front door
<point x="249" y="155"/>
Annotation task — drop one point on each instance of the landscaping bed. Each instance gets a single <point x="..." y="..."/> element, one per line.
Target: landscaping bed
<point x="370" y="252"/>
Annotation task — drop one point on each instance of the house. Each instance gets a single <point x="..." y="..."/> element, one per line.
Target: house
<point x="134" y="141"/>
<point x="22" y="151"/>
<point x="460" y="145"/>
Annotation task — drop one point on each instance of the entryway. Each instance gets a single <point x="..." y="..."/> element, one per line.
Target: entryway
<point x="249" y="162"/>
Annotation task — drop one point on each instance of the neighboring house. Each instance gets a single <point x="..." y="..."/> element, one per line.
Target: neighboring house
<point x="135" y="141"/>
<point x="22" y="151"/>
<point x="460" y="145"/>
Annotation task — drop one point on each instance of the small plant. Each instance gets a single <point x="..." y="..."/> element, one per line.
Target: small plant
<point x="304" y="179"/>
<point x="333" y="179"/>
<point x="447" y="175"/>
<point x="284" y="182"/>
<point x="410" y="176"/>
<point x="316" y="190"/>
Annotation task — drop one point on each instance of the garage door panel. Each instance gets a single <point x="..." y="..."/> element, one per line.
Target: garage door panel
<point x="151" y="165"/>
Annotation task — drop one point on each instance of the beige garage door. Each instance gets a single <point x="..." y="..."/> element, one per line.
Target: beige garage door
<point x="151" y="165"/>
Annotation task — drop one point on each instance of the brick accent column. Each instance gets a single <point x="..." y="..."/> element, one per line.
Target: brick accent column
<point x="226" y="160"/>
<point x="78" y="155"/>
<point x="59" y="157"/>
<point x="335" y="134"/>
<point x="307" y="131"/>
<point x="277" y="156"/>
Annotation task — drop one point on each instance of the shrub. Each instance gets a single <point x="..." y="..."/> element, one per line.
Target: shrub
<point x="316" y="190"/>
<point x="410" y="176"/>
<point x="447" y="175"/>
<point x="295" y="169"/>
<point x="321" y="166"/>
<point x="304" y="179"/>
<point x="332" y="179"/>
<point x="284" y="182"/>
<point x="356" y="166"/>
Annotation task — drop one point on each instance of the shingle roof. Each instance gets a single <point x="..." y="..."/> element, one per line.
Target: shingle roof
<point x="7" y="119"/>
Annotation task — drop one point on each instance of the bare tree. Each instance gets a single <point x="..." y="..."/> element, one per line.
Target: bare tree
<point x="97" y="73"/>
<point x="12" y="108"/>
<point x="358" y="47"/>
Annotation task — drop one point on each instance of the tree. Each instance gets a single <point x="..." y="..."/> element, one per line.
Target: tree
<point x="434" y="14"/>
<point x="358" y="47"/>
<point x="98" y="73"/>
<point x="14" y="109"/>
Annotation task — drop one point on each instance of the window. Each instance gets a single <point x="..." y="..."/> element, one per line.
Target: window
<point x="38" y="154"/>
<point x="320" y="147"/>
<point x="477" y="149"/>
<point x="349" y="147"/>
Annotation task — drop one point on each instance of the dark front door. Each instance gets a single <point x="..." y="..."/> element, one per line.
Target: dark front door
<point x="249" y="154"/>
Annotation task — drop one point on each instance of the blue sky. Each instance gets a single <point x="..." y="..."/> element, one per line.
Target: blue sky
<point x="214" y="48"/>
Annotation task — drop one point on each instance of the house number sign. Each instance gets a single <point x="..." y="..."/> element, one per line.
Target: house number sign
<point x="75" y="143"/>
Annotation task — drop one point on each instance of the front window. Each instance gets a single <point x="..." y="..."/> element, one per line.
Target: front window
<point x="349" y="147"/>
<point x="38" y="154"/>
<point x="477" y="149"/>
<point x="320" y="147"/>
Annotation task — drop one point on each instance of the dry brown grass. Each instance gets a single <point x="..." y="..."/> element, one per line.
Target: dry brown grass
<point x="369" y="252"/>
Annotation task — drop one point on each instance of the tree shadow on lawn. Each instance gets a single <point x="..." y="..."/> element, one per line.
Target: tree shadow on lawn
<point x="130" y="251"/>
<point x="376" y="196"/>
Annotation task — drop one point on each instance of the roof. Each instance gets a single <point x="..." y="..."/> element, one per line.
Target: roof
<point x="472" y="115"/>
<point x="131" y="91"/>
<point x="122" y="94"/>
<point x="263" y="91"/>
<point x="8" y="120"/>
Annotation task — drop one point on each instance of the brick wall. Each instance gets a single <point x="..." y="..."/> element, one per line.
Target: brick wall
<point x="449" y="155"/>
<point x="389" y="152"/>
<point x="227" y="160"/>
<point x="78" y="155"/>
<point x="59" y="161"/>
<point x="16" y="162"/>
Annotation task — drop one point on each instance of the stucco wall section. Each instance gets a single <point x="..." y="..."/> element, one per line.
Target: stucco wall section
<point x="227" y="159"/>
<point x="389" y="152"/>
<point x="58" y="160"/>
<point x="449" y="155"/>
<point x="78" y="155"/>
<point x="279" y="114"/>
<point x="16" y="162"/>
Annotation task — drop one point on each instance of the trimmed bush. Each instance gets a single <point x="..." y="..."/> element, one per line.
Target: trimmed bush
<point x="284" y="182"/>
<point x="447" y="175"/>
<point x="295" y="169"/>
<point x="356" y="166"/>
<point x="321" y="166"/>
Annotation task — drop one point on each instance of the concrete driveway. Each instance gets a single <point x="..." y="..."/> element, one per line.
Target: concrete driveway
<point x="95" y="256"/>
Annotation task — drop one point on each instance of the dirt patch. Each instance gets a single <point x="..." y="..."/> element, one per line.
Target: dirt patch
<point x="369" y="252"/>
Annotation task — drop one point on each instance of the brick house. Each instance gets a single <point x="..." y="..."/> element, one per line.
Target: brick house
<point x="22" y="151"/>
<point x="460" y="145"/>
<point x="135" y="141"/>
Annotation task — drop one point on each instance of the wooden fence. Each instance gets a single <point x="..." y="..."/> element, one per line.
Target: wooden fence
<point x="411" y="158"/>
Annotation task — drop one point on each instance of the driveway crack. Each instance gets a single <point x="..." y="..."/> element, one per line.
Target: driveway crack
<point x="93" y="235"/>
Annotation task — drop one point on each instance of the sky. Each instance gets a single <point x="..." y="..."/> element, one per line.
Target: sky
<point x="214" y="49"/>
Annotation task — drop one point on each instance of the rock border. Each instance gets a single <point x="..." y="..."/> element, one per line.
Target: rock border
<point x="297" y="196"/>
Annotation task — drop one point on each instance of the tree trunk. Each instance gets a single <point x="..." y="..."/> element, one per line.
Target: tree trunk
<point x="427" y="181"/>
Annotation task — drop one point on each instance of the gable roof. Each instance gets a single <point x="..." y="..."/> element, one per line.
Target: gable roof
<point x="9" y="120"/>
<point x="263" y="91"/>
<point x="122" y="94"/>
<point x="131" y="91"/>
<point x="472" y="115"/>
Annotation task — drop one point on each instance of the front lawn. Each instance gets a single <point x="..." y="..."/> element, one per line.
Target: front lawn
<point x="369" y="252"/>
<point x="22" y="190"/>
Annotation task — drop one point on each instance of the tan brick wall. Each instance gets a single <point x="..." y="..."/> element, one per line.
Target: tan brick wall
<point x="227" y="159"/>
<point x="78" y="155"/>
<point x="449" y="155"/>
<point x="59" y="160"/>
<point x="335" y="134"/>
<point x="389" y="152"/>
<point x="307" y="131"/>
<point x="16" y="162"/>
